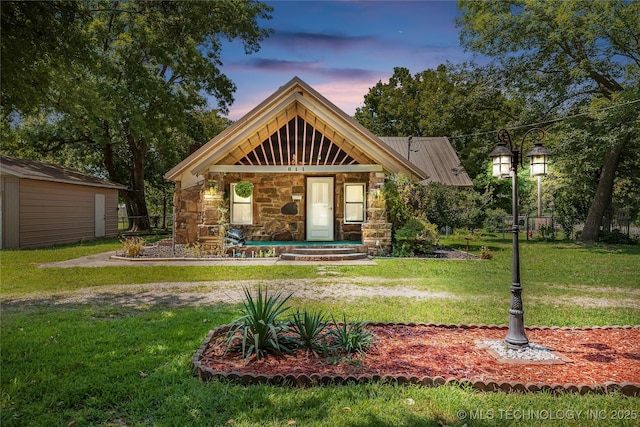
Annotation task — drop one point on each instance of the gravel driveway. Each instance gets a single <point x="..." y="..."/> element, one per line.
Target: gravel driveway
<point x="209" y="293"/>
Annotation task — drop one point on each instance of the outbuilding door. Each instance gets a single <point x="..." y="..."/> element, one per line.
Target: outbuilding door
<point x="100" y="215"/>
<point x="319" y="210"/>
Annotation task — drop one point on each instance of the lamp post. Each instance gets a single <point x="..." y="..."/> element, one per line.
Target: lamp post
<point x="506" y="157"/>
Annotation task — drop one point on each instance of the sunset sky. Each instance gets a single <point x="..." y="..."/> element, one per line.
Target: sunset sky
<point x="342" y="48"/>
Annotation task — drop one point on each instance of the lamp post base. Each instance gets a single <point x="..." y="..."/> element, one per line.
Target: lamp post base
<point x="516" y="338"/>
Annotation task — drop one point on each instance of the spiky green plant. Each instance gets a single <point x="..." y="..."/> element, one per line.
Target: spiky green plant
<point x="259" y="332"/>
<point x="310" y="330"/>
<point x="351" y="337"/>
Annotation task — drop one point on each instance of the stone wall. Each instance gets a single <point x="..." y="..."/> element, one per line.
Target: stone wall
<point x="276" y="215"/>
<point x="187" y="203"/>
<point x="211" y="238"/>
<point x="376" y="231"/>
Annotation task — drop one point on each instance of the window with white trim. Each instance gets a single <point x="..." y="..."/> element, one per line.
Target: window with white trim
<point x="354" y="203"/>
<point x="241" y="208"/>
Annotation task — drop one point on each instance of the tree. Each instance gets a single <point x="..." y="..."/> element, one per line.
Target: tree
<point x="451" y="100"/>
<point x="153" y="66"/>
<point x="40" y="41"/>
<point x="565" y="53"/>
<point x="448" y="206"/>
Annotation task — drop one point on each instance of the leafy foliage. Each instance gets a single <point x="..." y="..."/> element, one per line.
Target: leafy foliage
<point x="133" y="246"/>
<point x="244" y="188"/>
<point x="485" y="253"/>
<point x="453" y="100"/>
<point x="351" y="337"/>
<point x="586" y="56"/>
<point x="416" y="236"/>
<point x="495" y="220"/>
<point x="259" y="331"/>
<point x="310" y="330"/>
<point x="404" y="198"/>
<point x="139" y="105"/>
<point x="438" y="204"/>
<point x="615" y="237"/>
<point x="42" y="45"/>
<point x="454" y="207"/>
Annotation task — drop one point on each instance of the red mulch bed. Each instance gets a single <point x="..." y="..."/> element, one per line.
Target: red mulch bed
<point x="598" y="356"/>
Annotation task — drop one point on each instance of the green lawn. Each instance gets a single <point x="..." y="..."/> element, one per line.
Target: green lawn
<point x="106" y="364"/>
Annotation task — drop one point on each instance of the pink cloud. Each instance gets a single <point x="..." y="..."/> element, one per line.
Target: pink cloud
<point x="346" y="94"/>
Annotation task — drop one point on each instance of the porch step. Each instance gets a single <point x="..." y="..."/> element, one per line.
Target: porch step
<point x="323" y="251"/>
<point x="323" y="254"/>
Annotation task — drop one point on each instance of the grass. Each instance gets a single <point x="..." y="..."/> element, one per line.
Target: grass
<point x="21" y="273"/>
<point x="89" y="364"/>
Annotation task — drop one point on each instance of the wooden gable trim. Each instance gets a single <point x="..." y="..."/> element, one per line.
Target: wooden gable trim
<point x="303" y="138"/>
<point x="295" y="168"/>
<point x="297" y="146"/>
<point x="299" y="98"/>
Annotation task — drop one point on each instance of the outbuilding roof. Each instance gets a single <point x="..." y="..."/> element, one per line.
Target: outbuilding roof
<point x="41" y="171"/>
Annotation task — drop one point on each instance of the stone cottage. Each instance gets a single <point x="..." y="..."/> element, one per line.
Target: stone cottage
<point x="295" y="168"/>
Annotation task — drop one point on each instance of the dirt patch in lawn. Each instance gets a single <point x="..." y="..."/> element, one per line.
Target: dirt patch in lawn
<point x="587" y="302"/>
<point x="230" y="292"/>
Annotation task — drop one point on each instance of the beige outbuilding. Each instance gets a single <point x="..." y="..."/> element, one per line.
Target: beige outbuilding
<point x="42" y="204"/>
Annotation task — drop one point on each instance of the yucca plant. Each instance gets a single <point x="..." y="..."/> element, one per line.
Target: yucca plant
<point x="309" y="330"/>
<point x="259" y="332"/>
<point x="351" y="337"/>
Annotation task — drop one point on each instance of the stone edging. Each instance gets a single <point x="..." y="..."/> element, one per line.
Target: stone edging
<point x="195" y="260"/>
<point x="204" y="373"/>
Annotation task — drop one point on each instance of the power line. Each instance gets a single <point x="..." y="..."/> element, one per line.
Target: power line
<point x="559" y="119"/>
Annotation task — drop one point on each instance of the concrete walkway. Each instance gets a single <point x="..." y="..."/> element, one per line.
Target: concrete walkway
<point x="111" y="259"/>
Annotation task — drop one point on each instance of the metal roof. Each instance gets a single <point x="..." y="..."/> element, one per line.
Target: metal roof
<point x="435" y="156"/>
<point x="40" y="171"/>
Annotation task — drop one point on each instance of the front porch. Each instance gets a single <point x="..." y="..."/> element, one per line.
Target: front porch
<point x="303" y="251"/>
<point x="284" y="211"/>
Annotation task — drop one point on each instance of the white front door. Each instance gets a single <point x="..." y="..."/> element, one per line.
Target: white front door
<point x="320" y="193"/>
<point x="100" y="215"/>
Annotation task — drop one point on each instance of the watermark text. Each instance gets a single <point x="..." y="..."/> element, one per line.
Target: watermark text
<point x="543" y="414"/>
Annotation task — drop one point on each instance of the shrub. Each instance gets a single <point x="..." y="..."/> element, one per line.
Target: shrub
<point x="416" y="236"/>
<point x="404" y="199"/>
<point x="616" y="237"/>
<point x="546" y="232"/>
<point x="195" y="250"/>
<point x="351" y="337"/>
<point x="310" y="331"/>
<point x="258" y="332"/>
<point x="495" y="220"/>
<point x="133" y="246"/>
<point x="486" y="253"/>
<point x="445" y="205"/>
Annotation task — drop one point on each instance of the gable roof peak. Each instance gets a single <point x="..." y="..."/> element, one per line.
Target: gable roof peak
<point x="248" y="131"/>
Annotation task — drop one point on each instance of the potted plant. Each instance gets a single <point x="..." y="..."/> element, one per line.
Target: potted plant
<point x="244" y="189"/>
